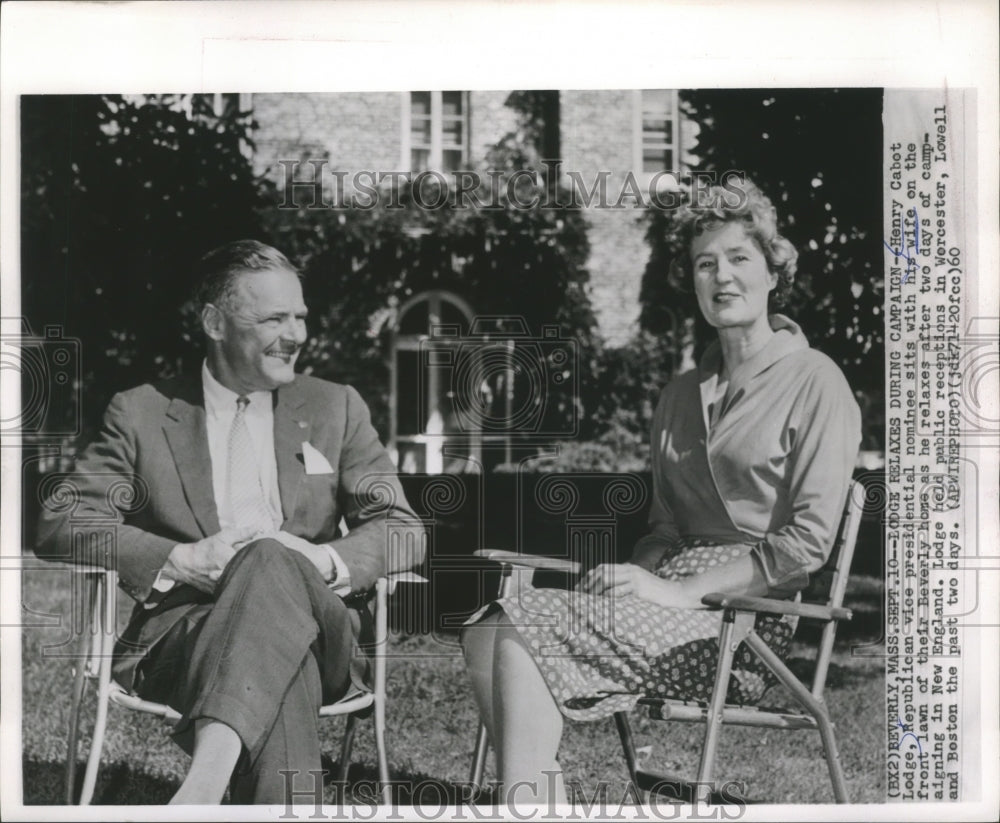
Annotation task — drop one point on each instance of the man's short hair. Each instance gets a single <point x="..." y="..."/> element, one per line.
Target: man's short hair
<point x="217" y="272"/>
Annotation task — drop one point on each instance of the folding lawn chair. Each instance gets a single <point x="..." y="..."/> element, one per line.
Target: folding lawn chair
<point x="739" y="613"/>
<point x="93" y="665"/>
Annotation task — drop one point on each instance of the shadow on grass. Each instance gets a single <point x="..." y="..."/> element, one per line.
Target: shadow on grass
<point x="837" y="676"/>
<point x="864" y="627"/>
<point x="117" y="784"/>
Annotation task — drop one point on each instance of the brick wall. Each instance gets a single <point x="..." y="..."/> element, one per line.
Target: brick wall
<point x="352" y="131"/>
<point x="618" y="257"/>
<point x="489" y="120"/>
<point x="357" y="131"/>
<point x="596" y="135"/>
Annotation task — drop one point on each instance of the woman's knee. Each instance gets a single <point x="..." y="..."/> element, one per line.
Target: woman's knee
<point x="475" y="636"/>
<point x="480" y="642"/>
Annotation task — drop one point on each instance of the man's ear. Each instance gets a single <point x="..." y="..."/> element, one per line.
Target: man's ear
<point x="212" y="321"/>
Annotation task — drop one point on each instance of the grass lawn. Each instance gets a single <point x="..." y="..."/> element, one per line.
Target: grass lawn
<point x="432" y="723"/>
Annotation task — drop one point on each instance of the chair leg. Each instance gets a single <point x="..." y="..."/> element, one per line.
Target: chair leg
<point x="383" y="759"/>
<point x="79" y="681"/>
<point x="346" y="745"/>
<point x="713" y="720"/>
<point x="85" y="617"/>
<point x="382" y="646"/>
<point x="815" y="706"/>
<point x="100" y="725"/>
<point x="832" y="756"/>
<point x="479" y="758"/>
<point x="628" y="749"/>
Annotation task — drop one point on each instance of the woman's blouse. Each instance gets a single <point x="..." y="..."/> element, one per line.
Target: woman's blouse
<point x="769" y="464"/>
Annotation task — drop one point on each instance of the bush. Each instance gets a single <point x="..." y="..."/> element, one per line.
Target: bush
<point x="617" y="449"/>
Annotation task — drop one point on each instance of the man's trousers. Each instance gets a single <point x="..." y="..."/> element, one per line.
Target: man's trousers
<point x="274" y="646"/>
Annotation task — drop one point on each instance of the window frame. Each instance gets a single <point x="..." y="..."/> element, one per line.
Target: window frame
<point x="638" y="144"/>
<point x="437" y="118"/>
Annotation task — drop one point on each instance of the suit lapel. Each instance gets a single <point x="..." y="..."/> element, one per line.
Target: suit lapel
<point x="188" y="439"/>
<point x="291" y="428"/>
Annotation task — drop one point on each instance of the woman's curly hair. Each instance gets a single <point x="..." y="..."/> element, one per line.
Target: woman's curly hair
<point x="737" y="200"/>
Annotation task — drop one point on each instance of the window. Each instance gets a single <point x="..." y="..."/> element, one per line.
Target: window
<point x="435" y="130"/>
<point x="423" y="436"/>
<point x="656" y="139"/>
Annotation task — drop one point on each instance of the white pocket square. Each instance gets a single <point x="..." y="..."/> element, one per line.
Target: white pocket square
<point x="315" y="462"/>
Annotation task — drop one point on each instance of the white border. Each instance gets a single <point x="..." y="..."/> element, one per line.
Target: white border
<point x="350" y="45"/>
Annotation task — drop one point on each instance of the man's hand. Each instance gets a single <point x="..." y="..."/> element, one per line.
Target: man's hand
<point x="317" y="555"/>
<point x="622" y="579"/>
<point x="201" y="564"/>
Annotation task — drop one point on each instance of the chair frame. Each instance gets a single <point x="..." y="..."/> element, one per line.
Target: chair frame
<point x="93" y="664"/>
<point x="738" y="615"/>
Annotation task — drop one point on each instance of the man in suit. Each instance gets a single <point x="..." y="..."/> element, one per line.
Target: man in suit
<point x="250" y="609"/>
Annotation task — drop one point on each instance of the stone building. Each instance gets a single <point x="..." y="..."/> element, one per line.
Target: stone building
<point x="614" y="145"/>
<point x="616" y="149"/>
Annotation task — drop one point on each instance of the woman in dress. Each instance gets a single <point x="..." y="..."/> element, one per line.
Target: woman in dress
<point x="752" y="453"/>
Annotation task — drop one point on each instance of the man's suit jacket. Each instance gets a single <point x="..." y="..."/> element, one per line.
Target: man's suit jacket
<point x="152" y="459"/>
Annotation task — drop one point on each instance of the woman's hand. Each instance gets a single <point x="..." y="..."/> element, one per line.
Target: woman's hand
<point x="623" y="579"/>
<point x="648" y="556"/>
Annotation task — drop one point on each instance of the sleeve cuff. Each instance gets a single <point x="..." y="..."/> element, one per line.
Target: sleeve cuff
<point x="342" y="583"/>
<point x="780" y="580"/>
<point x="161" y="585"/>
<point x="651" y="550"/>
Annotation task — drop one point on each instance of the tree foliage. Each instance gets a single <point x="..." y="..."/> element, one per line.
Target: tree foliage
<point x="118" y="197"/>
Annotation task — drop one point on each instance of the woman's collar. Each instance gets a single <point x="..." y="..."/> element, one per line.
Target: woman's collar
<point x="787" y="338"/>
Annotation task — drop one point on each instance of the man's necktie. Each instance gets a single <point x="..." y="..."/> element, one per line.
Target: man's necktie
<point x="247" y="506"/>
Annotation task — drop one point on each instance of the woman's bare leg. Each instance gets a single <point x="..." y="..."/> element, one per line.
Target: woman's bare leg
<point x="528" y="722"/>
<point x="478" y="643"/>
<point x="522" y="719"/>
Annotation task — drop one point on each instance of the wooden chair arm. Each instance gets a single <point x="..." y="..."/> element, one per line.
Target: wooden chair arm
<point x="405" y="577"/>
<point x="767" y="605"/>
<point x="85" y="568"/>
<point x="393" y="579"/>
<point x="528" y="561"/>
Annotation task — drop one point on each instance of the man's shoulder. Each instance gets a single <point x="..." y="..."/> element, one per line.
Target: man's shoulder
<point x="159" y="394"/>
<point x="317" y="390"/>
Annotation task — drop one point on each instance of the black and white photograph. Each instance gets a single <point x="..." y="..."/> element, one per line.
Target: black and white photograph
<point x="467" y="441"/>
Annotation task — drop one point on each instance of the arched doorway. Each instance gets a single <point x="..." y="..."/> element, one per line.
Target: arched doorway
<point x="423" y="436"/>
